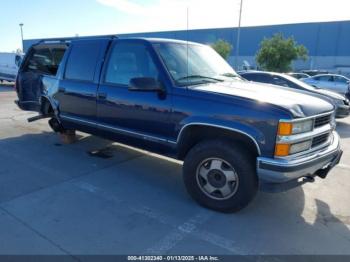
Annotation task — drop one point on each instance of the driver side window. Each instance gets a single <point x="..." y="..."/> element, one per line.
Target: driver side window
<point x="127" y="61"/>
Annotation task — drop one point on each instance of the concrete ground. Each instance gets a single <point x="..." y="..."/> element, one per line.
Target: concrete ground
<point x="61" y="199"/>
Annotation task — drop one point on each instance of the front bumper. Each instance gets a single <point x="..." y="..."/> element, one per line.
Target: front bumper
<point x="342" y="111"/>
<point x="278" y="171"/>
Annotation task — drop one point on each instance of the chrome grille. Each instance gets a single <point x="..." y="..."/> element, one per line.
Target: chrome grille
<point x="319" y="140"/>
<point x="322" y="120"/>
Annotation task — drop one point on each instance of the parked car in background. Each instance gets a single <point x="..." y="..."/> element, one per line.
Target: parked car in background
<point x="332" y="82"/>
<point x="347" y="95"/>
<point x="9" y="64"/>
<point x="232" y="135"/>
<point x="341" y="103"/>
<point x="315" y="72"/>
<point x="299" y="75"/>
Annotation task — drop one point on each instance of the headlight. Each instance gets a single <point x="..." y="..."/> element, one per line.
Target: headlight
<point x="299" y="147"/>
<point x="292" y="128"/>
<point x="290" y="149"/>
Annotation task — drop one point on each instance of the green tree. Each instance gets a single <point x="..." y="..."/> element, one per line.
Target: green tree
<point x="223" y="48"/>
<point x="277" y="53"/>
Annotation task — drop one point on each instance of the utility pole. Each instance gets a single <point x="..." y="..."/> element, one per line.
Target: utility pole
<point x="238" y="34"/>
<point x="21" y="26"/>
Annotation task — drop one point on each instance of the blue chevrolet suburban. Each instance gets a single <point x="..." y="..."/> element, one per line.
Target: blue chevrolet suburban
<point x="182" y="100"/>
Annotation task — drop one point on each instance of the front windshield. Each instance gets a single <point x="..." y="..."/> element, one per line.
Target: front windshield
<point x="203" y="64"/>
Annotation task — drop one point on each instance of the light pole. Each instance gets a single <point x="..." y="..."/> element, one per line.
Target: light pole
<point x="21" y="26"/>
<point x="238" y="34"/>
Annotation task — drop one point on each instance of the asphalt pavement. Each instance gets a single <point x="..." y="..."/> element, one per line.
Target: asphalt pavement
<point x="99" y="197"/>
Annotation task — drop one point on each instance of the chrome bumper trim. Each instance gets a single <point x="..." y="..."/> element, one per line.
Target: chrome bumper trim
<point x="283" y="170"/>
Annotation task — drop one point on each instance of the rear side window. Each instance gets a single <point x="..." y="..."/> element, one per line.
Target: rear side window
<point x="324" y="78"/>
<point x="82" y="60"/>
<point x="41" y="61"/>
<point x="44" y="60"/>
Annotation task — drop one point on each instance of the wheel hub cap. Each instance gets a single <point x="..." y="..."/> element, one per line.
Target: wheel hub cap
<point x="217" y="178"/>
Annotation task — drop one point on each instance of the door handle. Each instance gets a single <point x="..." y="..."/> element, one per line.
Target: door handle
<point x="102" y="95"/>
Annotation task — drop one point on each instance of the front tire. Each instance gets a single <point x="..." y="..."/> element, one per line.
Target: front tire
<point x="220" y="175"/>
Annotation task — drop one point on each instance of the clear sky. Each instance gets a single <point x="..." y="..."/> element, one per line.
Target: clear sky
<point x="59" y="18"/>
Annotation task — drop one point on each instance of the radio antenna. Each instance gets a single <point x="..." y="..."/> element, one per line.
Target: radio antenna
<point x="187" y="36"/>
<point x="238" y="34"/>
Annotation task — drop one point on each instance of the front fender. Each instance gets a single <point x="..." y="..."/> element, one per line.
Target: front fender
<point x="248" y="130"/>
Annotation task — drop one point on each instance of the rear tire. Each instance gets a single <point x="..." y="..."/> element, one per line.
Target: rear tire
<point x="220" y="175"/>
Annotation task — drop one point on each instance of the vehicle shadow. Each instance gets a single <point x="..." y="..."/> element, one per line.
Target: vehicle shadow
<point x="291" y="223"/>
<point x="6" y="88"/>
<point x="283" y="223"/>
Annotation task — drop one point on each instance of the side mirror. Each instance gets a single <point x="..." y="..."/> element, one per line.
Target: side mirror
<point x="145" y="84"/>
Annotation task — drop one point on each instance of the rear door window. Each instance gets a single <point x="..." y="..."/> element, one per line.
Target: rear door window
<point x="324" y="78"/>
<point x="82" y="60"/>
<point x="340" y="79"/>
<point x="281" y="82"/>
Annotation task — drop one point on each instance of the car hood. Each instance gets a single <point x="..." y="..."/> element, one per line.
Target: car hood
<point x="330" y="94"/>
<point x="299" y="104"/>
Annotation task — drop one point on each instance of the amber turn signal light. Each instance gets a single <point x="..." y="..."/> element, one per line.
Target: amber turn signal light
<point x="285" y="129"/>
<point x="282" y="150"/>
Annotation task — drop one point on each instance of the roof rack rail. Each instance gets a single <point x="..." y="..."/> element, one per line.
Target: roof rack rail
<point x="54" y="40"/>
<point x="67" y="40"/>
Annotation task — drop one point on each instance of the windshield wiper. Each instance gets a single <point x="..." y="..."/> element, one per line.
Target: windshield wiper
<point x="199" y="76"/>
<point x="231" y="75"/>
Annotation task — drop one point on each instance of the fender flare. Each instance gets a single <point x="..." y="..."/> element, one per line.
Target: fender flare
<point x="252" y="138"/>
